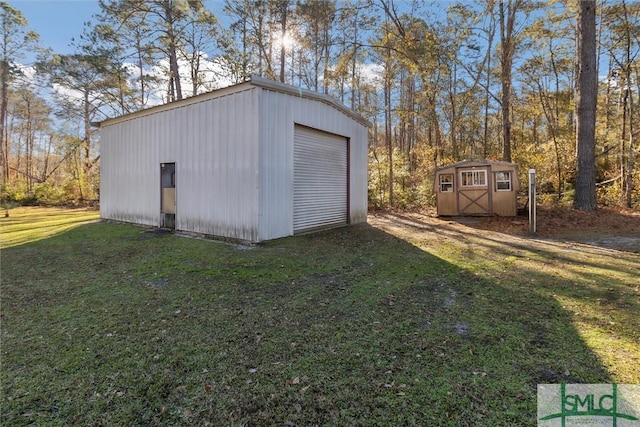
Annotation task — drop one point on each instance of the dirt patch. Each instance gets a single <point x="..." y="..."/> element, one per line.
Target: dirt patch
<point x="611" y="228"/>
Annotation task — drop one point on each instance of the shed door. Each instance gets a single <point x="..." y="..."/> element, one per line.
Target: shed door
<point x="474" y="195"/>
<point x="320" y="180"/>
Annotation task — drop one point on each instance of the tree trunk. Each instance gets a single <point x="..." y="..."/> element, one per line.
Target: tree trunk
<point x="354" y="60"/>
<point x="411" y="126"/>
<point x="506" y="61"/>
<point x="453" y="97"/>
<point x="327" y="55"/>
<point x="387" y="128"/>
<point x="28" y="141"/>
<point x="143" y="83"/>
<point x="4" y="145"/>
<point x="586" y="98"/>
<point x="435" y="129"/>
<point x="283" y="34"/>
<point x="622" y="104"/>
<point x="630" y="153"/>
<point x="627" y="166"/>
<point x="174" y="71"/>
<point x="87" y="134"/>
<point x="487" y="99"/>
<point x="485" y="135"/>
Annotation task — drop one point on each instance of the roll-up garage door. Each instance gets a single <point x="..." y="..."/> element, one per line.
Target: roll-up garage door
<point x="320" y="180"/>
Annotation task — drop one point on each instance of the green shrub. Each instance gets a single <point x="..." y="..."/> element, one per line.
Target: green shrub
<point x="17" y="192"/>
<point x="48" y="194"/>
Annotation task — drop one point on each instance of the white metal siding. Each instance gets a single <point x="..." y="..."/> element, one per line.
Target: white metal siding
<point x="233" y="151"/>
<point x="215" y="149"/>
<point x="320" y="180"/>
<point x="278" y="114"/>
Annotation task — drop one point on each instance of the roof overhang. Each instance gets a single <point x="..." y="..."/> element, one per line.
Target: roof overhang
<point x="253" y="81"/>
<point x="476" y="162"/>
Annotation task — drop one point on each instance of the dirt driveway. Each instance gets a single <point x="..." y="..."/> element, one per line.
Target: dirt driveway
<point x="607" y="228"/>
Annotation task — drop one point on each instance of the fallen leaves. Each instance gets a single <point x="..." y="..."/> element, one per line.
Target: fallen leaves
<point x="398" y="389"/>
<point x="296" y="380"/>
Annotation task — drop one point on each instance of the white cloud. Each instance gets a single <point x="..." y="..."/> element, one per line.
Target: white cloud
<point x="67" y="93"/>
<point x="212" y="74"/>
<point x="371" y="72"/>
<point x="27" y="74"/>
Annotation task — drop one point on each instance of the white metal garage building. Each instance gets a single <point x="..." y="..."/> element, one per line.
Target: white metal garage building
<point x="253" y="162"/>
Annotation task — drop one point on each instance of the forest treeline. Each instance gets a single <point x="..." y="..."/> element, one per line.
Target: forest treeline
<point x="438" y="81"/>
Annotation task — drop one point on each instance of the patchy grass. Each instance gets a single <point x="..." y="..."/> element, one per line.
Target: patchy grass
<point x="108" y="324"/>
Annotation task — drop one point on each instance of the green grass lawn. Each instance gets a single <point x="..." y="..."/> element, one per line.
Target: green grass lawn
<point x="24" y="225"/>
<point x="106" y="324"/>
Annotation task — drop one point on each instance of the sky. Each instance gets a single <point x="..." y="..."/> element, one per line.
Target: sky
<point x="57" y="21"/>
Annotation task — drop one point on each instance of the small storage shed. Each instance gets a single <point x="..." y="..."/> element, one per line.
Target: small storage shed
<point x="252" y="162"/>
<point x="477" y="187"/>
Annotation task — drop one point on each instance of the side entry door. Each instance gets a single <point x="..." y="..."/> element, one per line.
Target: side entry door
<point x="168" y="195"/>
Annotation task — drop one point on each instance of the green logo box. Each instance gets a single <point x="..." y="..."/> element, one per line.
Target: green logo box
<point x="599" y="405"/>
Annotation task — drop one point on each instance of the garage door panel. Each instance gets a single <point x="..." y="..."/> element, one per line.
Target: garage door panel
<point x="320" y="180"/>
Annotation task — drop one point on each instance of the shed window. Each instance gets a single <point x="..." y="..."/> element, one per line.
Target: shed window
<point x="446" y="183"/>
<point x="503" y="181"/>
<point x="473" y="178"/>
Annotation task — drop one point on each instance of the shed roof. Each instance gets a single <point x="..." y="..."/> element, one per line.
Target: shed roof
<point x="476" y="162"/>
<point x="254" y="81"/>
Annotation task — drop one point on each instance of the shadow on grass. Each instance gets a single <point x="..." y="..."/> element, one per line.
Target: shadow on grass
<point x="606" y="228"/>
<point x="599" y="285"/>
<point x="347" y="327"/>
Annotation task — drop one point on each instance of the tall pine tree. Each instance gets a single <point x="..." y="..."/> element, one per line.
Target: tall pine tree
<point x="586" y="97"/>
